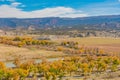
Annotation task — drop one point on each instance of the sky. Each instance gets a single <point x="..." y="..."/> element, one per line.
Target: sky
<point x="58" y="8"/>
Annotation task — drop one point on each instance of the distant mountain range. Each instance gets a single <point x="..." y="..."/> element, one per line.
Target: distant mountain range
<point x="98" y="22"/>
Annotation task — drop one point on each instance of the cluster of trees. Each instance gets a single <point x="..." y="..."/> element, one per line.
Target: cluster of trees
<point x="24" y="41"/>
<point x="12" y="74"/>
<point x="68" y="66"/>
<point x="94" y="51"/>
<point x="70" y="44"/>
<point x="76" y="49"/>
<point x="84" y="51"/>
<point x="69" y="47"/>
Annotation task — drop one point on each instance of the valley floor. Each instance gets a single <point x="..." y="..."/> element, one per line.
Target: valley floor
<point x="8" y="52"/>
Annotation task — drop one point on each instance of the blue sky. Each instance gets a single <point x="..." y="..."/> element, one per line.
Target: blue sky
<point x="58" y="8"/>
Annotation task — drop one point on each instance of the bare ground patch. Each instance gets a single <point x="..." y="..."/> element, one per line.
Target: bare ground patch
<point x="11" y="52"/>
<point x="108" y="47"/>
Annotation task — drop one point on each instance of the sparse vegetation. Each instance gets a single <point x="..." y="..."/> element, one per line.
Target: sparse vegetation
<point x="82" y="60"/>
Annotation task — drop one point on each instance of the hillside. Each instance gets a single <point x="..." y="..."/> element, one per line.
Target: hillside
<point x="97" y="22"/>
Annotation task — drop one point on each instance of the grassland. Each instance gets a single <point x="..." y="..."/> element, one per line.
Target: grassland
<point x="8" y="52"/>
<point x="107" y="44"/>
<point x="93" y="40"/>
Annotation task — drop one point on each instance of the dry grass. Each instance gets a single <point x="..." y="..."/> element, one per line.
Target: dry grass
<point x="92" y="40"/>
<point x="107" y="44"/>
<point x="11" y="52"/>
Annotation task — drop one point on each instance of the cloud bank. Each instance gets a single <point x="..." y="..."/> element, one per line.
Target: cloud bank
<point x="13" y="11"/>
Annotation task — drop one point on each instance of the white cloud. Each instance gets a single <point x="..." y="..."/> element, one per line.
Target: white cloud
<point x="72" y="15"/>
<point x="15" y="4"/>
<point x="9" y="11"/>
